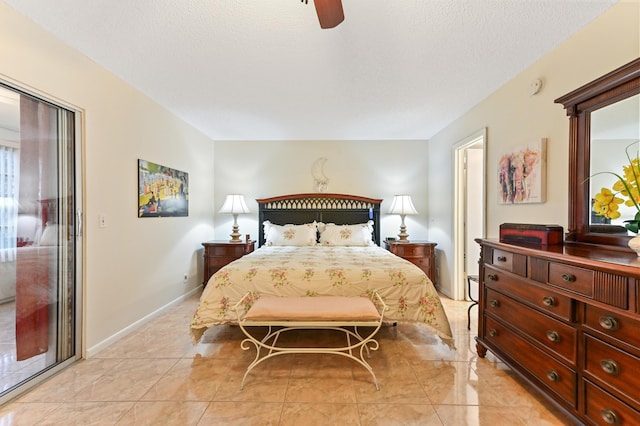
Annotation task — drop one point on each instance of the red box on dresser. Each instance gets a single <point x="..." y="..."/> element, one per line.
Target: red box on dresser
<point x="531" y="233"/>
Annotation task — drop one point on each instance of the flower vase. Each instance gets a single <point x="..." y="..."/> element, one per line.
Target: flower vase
<point x="634" y="244"/>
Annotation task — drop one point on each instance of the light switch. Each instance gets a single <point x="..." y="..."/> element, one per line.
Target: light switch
<point x="102" y="220"/>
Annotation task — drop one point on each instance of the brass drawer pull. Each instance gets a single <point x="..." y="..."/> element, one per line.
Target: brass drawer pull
<point x="608" y="323"/>
<point x="553" y="336"/>
<point x="548" y="301"/>
<point x="493" y="332"/>
<point x="568" y="278"/>
<point x="609" y="366"/>
<point x="553" y="376"/>
<point x="494" y="303"/>
<point x="502" y="259"/>
<point x="492" y="277"/>
<point x="609" y="416"/>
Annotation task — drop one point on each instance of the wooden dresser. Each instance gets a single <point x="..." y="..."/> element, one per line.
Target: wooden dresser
<point x="220" y="253"/>
<point x="567" y="319"/>
<point x="420" y="253"/>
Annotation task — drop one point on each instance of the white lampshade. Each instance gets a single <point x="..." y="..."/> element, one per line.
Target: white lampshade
<point x="403" y="206"/>
<point x="234" y="204"/>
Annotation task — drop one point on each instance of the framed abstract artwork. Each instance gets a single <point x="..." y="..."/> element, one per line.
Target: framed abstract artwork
<point x="162" y="191"/>
<point x="522" y="173"/>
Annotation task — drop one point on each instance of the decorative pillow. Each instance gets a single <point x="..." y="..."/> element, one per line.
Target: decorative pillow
<point x="346" y="235"/>
<point x="290" y="235"/>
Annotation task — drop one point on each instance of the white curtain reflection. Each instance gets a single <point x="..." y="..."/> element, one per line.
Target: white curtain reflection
<point x="9" y="174"/>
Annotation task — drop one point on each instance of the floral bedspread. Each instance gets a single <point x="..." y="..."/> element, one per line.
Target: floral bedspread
<point x="321" y="271"/>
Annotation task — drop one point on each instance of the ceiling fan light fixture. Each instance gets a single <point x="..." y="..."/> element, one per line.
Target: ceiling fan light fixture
<point x="329" y="12"/>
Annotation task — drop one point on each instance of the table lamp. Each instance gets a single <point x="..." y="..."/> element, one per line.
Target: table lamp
<point x="234" y="204"/>
<point x="403" y="206"/>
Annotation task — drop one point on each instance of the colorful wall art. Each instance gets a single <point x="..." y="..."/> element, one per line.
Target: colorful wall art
<point x="521" y="174"/>
<point x="162" y="191"/>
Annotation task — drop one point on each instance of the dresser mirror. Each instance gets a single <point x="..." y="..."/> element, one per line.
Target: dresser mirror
<point x="615" y="132"/>
<point x="604" y="119"/>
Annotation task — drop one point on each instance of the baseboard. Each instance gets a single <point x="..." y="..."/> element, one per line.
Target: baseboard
<point x="92" y="351"/>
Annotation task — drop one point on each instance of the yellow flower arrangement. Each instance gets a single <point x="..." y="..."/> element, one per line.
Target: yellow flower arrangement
<point x="606" y="201"/>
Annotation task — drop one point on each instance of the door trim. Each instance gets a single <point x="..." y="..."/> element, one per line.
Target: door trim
<point x="459" y="207"/>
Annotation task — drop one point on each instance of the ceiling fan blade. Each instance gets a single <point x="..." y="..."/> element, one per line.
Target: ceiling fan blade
<point x="330" y="12"/>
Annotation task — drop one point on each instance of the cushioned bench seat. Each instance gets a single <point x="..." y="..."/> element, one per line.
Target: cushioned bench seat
<point x="343" y="314"/>
<point x="330" y="309"/>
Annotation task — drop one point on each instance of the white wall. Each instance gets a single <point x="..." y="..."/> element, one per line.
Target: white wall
<point x="376" y="169"/>
<point x="134" y="266"/>
<point x="513" y="117"/>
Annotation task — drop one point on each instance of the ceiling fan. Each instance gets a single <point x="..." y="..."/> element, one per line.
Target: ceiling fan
<point x="329" y="12"/>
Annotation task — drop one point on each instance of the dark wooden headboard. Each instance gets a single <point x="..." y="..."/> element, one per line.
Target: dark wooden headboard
<point x="340" y="209"/>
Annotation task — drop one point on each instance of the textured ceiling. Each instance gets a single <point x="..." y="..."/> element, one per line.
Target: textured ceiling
<point x="264" y="70"/>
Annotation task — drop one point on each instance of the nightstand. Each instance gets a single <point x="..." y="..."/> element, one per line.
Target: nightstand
<point x="420" y="253"/>
<point x="220" y="253"/>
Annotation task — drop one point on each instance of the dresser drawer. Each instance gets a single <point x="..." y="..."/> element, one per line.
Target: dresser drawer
<point x="613" y="366"/>
<point x="553" y="334"/>
<point x="604" y="409"/>
<point x="619" y="327"/>
<point x="512" y="262"/>
<point x="231" y="250"/>
<point x="560" y="306"/>
<point x="218" y="262"/>
<point x="410" y="250"/>
<point x="551" y="373"/>
<point x="571" y="278"/>
<point x="423" y="263"/>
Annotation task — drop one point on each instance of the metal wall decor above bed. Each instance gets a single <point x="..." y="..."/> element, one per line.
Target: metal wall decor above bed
<point x="341" y="209"/>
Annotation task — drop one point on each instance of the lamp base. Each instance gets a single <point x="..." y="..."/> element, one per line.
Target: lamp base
<point x="235" y="235"/>
<point x="403" y="237"/>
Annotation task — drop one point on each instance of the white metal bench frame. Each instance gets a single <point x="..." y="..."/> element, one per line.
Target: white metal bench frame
<point x="276" y="327"/>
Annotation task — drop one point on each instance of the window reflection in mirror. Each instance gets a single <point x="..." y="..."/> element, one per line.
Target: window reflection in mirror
<point x="613" y="129"/>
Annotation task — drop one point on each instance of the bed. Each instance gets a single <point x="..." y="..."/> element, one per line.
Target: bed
<point x="321" y="245"/>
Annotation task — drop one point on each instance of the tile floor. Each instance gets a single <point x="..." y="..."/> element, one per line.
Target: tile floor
<point x="155" y="376"/>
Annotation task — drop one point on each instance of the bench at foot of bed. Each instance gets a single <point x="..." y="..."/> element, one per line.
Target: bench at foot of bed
<point x="340" y="313"/>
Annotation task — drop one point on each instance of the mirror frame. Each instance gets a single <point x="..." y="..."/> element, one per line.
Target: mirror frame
<point x="615" y="86"/>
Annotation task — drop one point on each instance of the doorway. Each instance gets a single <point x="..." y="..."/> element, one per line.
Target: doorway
<point x="40" y="239"/>
<point x="469" y="208"/>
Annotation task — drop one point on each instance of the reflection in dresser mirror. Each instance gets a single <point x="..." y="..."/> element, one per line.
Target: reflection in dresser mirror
<point x="615" y="135"/>
<point x="604" y="120"/>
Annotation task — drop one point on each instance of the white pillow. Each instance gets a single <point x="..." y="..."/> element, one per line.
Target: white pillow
<point x="346" y="235"/>
<point x="290" y="235"/>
